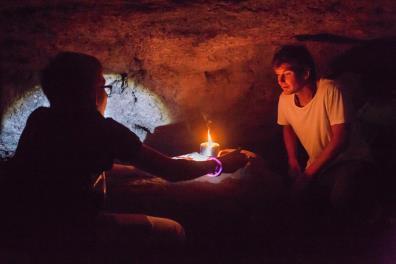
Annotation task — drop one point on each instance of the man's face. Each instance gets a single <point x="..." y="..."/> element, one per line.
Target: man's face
<point x="289" y="81"/>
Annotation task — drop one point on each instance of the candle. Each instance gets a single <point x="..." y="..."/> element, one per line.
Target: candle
<point x="210" y="148"/>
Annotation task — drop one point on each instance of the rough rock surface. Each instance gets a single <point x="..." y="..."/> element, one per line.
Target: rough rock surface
<point x="194" y="57"/>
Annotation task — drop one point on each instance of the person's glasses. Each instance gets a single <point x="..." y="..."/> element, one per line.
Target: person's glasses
<point x="108" y="89"/>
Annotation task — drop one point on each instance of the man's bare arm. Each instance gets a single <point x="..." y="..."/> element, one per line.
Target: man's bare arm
<point x="336" y="143"/>
<point x="170" y="169"/>
<point x="290" y="140"/>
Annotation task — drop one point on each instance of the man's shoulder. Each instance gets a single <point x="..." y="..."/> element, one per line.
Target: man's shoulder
<point x="285" y="101"/>
<point x="115" y="127"/>
<point x="327" y="87"/>
<point x="327" y="84"/>
<point x="40" y="113"/>
<point x="111" y="123"/>
<point x="284" y="98"/>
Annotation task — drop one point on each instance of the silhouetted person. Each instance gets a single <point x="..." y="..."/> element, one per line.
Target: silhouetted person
<point x="49" y="199"/>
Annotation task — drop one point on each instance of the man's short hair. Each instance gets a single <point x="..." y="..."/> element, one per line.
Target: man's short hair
<point x="70" y="76"/>
<point x="298" y="57"/>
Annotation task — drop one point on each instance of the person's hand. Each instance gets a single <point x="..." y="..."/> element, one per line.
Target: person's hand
<point x="310" y="171"/>
<point x="233" y="161"/>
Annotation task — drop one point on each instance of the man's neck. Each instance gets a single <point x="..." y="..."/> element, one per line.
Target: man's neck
<point x="305" y="95"/>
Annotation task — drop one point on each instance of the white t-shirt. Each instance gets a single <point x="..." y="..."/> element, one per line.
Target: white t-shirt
<point x="312" y="122"/>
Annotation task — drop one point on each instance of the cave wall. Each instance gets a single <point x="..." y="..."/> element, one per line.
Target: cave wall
<point x="195" y="58"/>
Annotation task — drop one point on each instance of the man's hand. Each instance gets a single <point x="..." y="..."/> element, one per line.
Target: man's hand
<point x="310" y="171"/>
<point x="233" y="161"/>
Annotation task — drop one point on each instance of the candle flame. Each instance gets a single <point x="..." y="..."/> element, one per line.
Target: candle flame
<point x="210" y="142"/>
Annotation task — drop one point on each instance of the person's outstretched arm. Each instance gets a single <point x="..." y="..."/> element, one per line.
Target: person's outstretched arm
<point x="152" y="161"/>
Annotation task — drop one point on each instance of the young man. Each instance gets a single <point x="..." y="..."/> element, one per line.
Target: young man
<point x="313" y="112"/>
<point x="63" y="148"/>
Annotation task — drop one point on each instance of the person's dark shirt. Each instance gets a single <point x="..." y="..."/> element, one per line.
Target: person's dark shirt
<point x="58" y="155"/>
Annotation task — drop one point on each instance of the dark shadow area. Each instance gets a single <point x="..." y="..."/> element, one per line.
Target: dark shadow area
<point x="374" y="97"/>
<point x="2" y="99"/>
<point x="373" y="62"/>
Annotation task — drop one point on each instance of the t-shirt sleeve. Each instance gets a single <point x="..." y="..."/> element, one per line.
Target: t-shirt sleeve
<point x="122" y="141"/>
<point x="282" y="120"/>
<point x="335" y="106"/>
